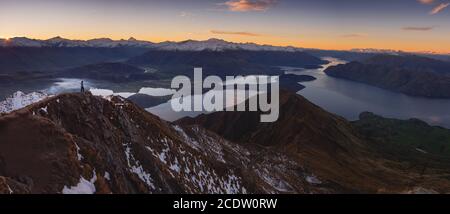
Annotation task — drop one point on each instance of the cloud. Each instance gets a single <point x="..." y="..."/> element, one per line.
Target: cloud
<point x="426" y="1"/>
<point x="418" y="28"/>
<point x="354" y="35"/>
<point x="186" y="14"/>
<point x="234" y="33"/>
<point x="439" y="8"/>
<point x="249" y="5"/>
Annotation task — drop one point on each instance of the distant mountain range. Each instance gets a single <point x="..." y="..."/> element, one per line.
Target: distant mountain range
<point x="126" y="60"/>
<point x="216" y="56"/>
<point x="408" y="74"/>
<point x="212" y="44"/>
<point x="224" y="63"/>
<point x="396" y="52"/>
<point x="20" y="59"/>
<point x="189" y="45"/>
<point x="412" y="62"/>
<point x="61" y="42"/>
<point x="122" y="61"/>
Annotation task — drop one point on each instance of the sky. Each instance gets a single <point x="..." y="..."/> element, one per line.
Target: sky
<point x="409" y="25"/>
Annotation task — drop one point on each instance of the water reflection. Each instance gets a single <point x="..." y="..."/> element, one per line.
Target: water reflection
<point x="349" y="99"/>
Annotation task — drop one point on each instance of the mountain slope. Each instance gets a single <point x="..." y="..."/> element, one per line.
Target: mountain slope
<point x="413" y="134"/>
<point x="412" y="145"/>
<point x="15" y="59"/>
<point x="223" y="63"/>
<point x="410" y="62"/>
<point x="412" y="75"/>
<point x="197" y="58"/>
<point x="183" y="63"/>
<point x="113" y="72"/>
<point x="78" y="143"/>
<point x="324" y="143"/>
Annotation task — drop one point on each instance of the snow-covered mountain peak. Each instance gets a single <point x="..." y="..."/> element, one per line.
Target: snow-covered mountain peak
<point x="21" y="42"/>
<point x="63" y="42"/>
<point x="57" y="38"/>
<point x="215" y="40"/>
<point x="212" y="44"/>
<point x="101" y="40"/>
<point x="377" y="51"/>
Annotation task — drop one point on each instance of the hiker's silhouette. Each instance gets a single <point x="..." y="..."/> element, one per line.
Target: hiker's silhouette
<point x="82" y="87"/>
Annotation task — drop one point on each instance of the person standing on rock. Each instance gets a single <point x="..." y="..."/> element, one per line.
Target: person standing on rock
<point x="82" y="86"/>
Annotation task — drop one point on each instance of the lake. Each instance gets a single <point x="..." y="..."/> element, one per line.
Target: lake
<point x="348" y="99"/>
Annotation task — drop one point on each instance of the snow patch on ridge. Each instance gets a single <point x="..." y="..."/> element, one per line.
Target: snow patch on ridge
<point x="195" y="173"/>
<point x="136" y="168"/>
<point x="312" y="179"/>
<point x="107" y="93"/>
<point x="83" y="187"/>
<point x="186" y="139"/>
<point x="79" y="156"/>
<point x="9" y="189"/>
<point x="107" y="176"/>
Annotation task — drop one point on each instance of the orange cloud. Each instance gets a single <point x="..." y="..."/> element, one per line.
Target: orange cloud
<point x="354" y="35"/>
<point x="234" y="33"/>
<point x="426" y="1"/>
<point x="418" y="28"/>
<point x="439" y="8"/>
<point x="249" y="5"/>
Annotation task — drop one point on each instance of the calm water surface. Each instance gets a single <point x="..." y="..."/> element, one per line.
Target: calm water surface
<point x="349" y="99"/>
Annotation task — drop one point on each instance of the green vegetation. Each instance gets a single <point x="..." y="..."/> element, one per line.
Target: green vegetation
<point x="410" y="134"/>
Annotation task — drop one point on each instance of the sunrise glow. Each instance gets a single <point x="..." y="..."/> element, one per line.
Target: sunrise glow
<point x="405" y="24"/>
